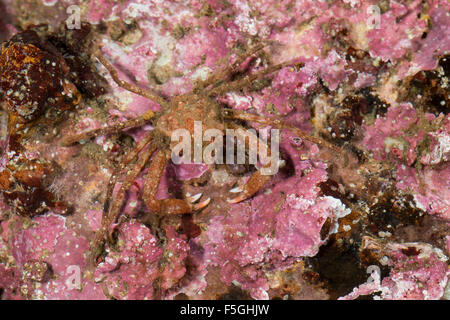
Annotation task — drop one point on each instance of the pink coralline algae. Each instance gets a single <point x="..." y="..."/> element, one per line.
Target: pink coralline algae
<point x="366" y="80"/>
<point x="405" y="137"/>
<point x="45" y="260"/>
<point x="140" y="262"/>
<point x="246" y="245"/>
<point x="419" y="272"/>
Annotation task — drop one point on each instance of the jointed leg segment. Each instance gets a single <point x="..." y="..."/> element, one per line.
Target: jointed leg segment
<point x="132" y="123"/>
<point x="129" y="86"/>
<point x="228" y="70"/>
<point x="257" y="179"/>
<point x="166" y="206"/>
<point x="246" y="81"/>
<point x="110" y="213"/>
<point x="280" y="124"/>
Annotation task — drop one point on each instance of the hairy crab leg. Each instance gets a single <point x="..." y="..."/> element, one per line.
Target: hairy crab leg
<point x="227" y="71"/>
<point x="252" y="186"/>
<point x="110" y="213"/>
<point x="135" y="122"/>
<point x="245" y="81"/>
<point x="130" y="156"/>
<point x="278" y="123"/>
<point x="166" y="206"/>
<point x="127" y="85"/>
<point x="257" y="180"/>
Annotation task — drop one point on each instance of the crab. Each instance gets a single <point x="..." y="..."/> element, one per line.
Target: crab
<point x="181" y="112"/>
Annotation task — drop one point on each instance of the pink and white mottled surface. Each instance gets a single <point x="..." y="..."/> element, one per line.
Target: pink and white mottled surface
<point x="167" y="45"/>
<point x="422" y="277"/>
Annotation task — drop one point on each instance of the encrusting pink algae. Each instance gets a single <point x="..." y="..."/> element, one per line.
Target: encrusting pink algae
<point x="368" y="77"/>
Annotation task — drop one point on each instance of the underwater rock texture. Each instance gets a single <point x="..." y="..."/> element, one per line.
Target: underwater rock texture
<point x="376" y="86"/>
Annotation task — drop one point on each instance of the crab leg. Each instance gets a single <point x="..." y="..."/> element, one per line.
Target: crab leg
<point x="252" y="186"/>
<point x="166" y="206"/>
<point x="135" y="122"/>
<point x="110" y="213"/>
<point x="227" y="71"/>
<point x="257" y="180"/>
<point x="129" y="86"/>
<point x="124" y="164"/>
<point x="278" y="123"/>
<point x="245" y="81"/>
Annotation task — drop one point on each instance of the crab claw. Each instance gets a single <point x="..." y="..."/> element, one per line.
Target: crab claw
<point x="239" y="198"/>
<point x="251" y="187"/>
<point x="237" y="189"/>
<point x="202" y="204"/>
<point x="197" y="206"/>
<point x="193" y="199"/>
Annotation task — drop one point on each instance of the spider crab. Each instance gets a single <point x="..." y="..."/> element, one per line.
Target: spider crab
<point x="155" y="148"/>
